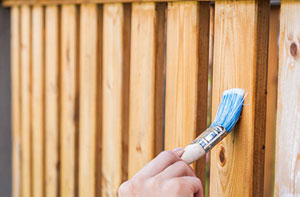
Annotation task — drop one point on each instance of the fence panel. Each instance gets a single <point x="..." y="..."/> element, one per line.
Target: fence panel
<point x="106" y="74"/>
<point x="287" y="178"/>
<point x="240" y="60"/>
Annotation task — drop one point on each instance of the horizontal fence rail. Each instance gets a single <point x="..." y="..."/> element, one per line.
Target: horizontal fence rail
<point x="100" y="88"/>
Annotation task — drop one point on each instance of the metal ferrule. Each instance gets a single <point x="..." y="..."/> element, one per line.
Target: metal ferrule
<point x="210" y="137"/>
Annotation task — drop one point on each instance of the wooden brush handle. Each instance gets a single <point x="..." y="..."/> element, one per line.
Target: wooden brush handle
<point x="192" y="153"/>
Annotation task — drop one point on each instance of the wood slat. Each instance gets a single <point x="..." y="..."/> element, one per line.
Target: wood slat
<point x="187" y="75"/>
<point x="287" y="177"/>
<point x="60" y="2"/>
<point x="142" y="83"/>
<point x="52" y="115"/>
<point x="69" y="101"/>
<point x="240" y="60"/>
<point x="113" y="66"/>
<point x="25" y="102"/>
<point x="16" y="107"/>
<point x="271" y="102"/>
<point x="37" y="96"/>
<point x="88" y="92"/>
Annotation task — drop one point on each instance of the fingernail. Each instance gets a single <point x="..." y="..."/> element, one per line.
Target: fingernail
<point x="178" y="151"/>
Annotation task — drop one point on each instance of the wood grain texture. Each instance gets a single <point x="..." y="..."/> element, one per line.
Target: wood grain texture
<point x="59" y="2"/>
<point x="142" y="83"/>
<point x="16" y="105"/>
<point x="37" y="101"/>
<point x="186" y="75"/>
<point x="271" y="102"/>
<point x="88" y="92"/>
<point x="52" y="103"/>
<point x="69" y="101"/>
<point x="240" y="60"/>
<point x="181" y="74"/>
<point x="113" y="24"/>
<point x="287" y="177"/>
<point x="25" y="102"/>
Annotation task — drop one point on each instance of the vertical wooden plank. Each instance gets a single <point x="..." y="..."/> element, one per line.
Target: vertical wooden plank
<point x="37" y="121"/>
<point x="181" y="71"/>
<point x="52" y="101"/>
<point x="25" y="102"/>
<point x="88" y="68"/>
<point x="142" y="83"/>
<point x="16" y="107"/>
<point x="271" y="101"/>
<point x="287" y="178"/>
<point x="187" y="74"/>
<point x="240" y="60"/>
<point x="113" y="24"/>
<point x="69" y="100"/>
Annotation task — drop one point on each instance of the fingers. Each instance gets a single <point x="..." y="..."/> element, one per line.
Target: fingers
<point x="189" y="185"/>
<point x="177" y="169"/>
<point x="162" y="161"/>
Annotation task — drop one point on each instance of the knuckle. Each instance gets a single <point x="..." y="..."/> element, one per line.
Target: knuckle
<point x="169" y="155"/>
<point x="124" y="189"/>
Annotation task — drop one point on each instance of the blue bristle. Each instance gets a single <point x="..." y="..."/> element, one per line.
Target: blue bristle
<point x="229" y="109"/>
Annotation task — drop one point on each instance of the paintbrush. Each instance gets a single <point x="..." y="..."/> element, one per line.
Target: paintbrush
<point x="228" y="114"/>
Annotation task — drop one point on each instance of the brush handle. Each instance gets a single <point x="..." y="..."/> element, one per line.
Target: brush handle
<point x="192" y="153"/>
<point x="203" y="143"/>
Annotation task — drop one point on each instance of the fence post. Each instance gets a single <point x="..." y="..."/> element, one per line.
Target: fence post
<point x="240" y="60"/>
<point x="287" y="176"/>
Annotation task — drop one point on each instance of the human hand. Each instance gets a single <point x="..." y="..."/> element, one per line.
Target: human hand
<point x="166" y="175"/>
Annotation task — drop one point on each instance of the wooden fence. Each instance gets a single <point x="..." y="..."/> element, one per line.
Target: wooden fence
<point x="102" y="86"/>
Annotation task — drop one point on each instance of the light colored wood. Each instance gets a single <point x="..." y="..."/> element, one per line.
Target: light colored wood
<point x="52" y="108"/>
<point x="25" y="102"/>
<point x="69" y="101"/>
<point x="181" y="74"/>
<point x="59" y="2"/>
<point x="287" y="177"/>
<point x="37" y="104"/>
<point x="16" y="107"/>
<point x="240" y="60"/>
<point x="113" y="24"/>
<point x="142" y="83"/>
<point x="88" y="71"/>
<point x="271" y="102"/>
